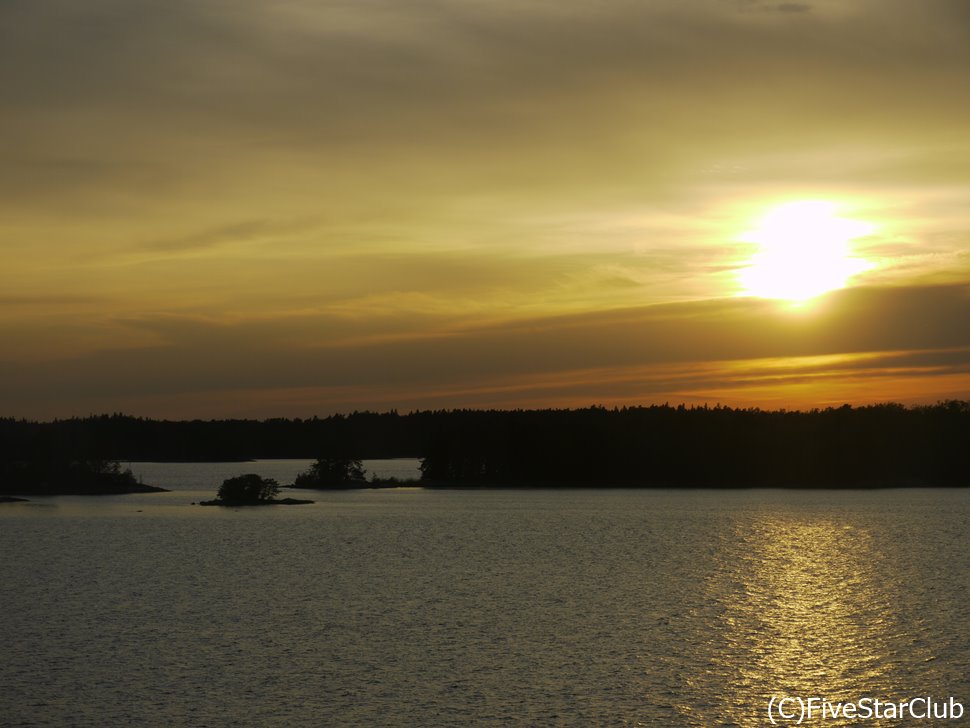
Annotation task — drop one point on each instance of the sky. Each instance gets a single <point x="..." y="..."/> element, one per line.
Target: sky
<point x="215" y="208"/>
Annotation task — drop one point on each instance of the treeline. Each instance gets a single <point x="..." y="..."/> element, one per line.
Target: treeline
<point x="124" y="438"/>
<point x="886" y="444"/>
<point x="870" y="446"/>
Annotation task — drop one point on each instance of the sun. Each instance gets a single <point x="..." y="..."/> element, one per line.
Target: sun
<point x="803" y="252"/>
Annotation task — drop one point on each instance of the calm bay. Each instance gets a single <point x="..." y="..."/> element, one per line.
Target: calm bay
<point x="476" y="607"/>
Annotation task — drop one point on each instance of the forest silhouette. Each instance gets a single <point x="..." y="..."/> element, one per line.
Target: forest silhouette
<point x="661" y="445"/>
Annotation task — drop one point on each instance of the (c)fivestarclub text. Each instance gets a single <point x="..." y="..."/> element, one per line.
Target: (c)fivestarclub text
<point x="796" y="710"/>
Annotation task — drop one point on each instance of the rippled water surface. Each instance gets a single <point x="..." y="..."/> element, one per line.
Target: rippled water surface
<point x="493" y="607"/>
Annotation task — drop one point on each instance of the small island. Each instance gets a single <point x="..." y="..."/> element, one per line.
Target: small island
<point x="332" y="473"/>
<point x="251" y="490"/>
<point x="343" y="473"/>
<point x="56" y="475"/>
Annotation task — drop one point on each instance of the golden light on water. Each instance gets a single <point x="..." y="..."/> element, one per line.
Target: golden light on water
<point x="804" y="251"/>
<point x="807" y="612"/>
<point x="820" y="609"/>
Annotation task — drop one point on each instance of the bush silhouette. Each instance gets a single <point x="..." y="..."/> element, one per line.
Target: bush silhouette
<point x="332" y="473"/>
<point x="249" y="488"/>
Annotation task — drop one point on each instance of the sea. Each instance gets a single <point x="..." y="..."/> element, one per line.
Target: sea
<point x="491" y="607"/>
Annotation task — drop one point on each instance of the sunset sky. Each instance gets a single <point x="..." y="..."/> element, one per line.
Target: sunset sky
<point x="215" y="208"/>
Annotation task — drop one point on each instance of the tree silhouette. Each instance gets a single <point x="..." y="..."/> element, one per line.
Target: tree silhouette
<point x="332" y="472"/>
<point x="249" y="488"/>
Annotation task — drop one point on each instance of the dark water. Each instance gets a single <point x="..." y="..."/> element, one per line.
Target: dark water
<point x="456" y="608"/>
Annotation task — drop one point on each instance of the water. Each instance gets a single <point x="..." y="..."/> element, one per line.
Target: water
<point x="456" y="608"/>
<point x="206" y="477"/>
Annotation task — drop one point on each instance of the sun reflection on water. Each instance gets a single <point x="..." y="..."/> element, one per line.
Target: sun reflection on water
<point x="803" y="611"/>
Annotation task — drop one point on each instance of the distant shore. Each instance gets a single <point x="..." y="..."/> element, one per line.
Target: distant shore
<point x="68" y="489"/>
<point x="60" y="476"/>
<point x="876" y="446"/>
<point x="249" y="504"/>
<point x="544" y="485"/>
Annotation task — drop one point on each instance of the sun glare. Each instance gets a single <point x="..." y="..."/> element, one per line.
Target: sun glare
<point x="803" y="252"/>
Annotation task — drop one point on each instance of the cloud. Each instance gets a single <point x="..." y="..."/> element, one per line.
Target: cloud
<point x="47" y="300"/>
<point x="321" y="74"/>
<point x="239" y="232"/>
<point x="139" y="108"/>
<point x="774" y="7"/>
<point x="869" y="332"/>
<point x="381" y="194"/>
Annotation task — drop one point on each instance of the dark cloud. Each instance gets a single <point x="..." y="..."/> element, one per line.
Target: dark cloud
<point x="183" y="102"/>
<point x="922" y="328"/>
<point x="328" y="72"/>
